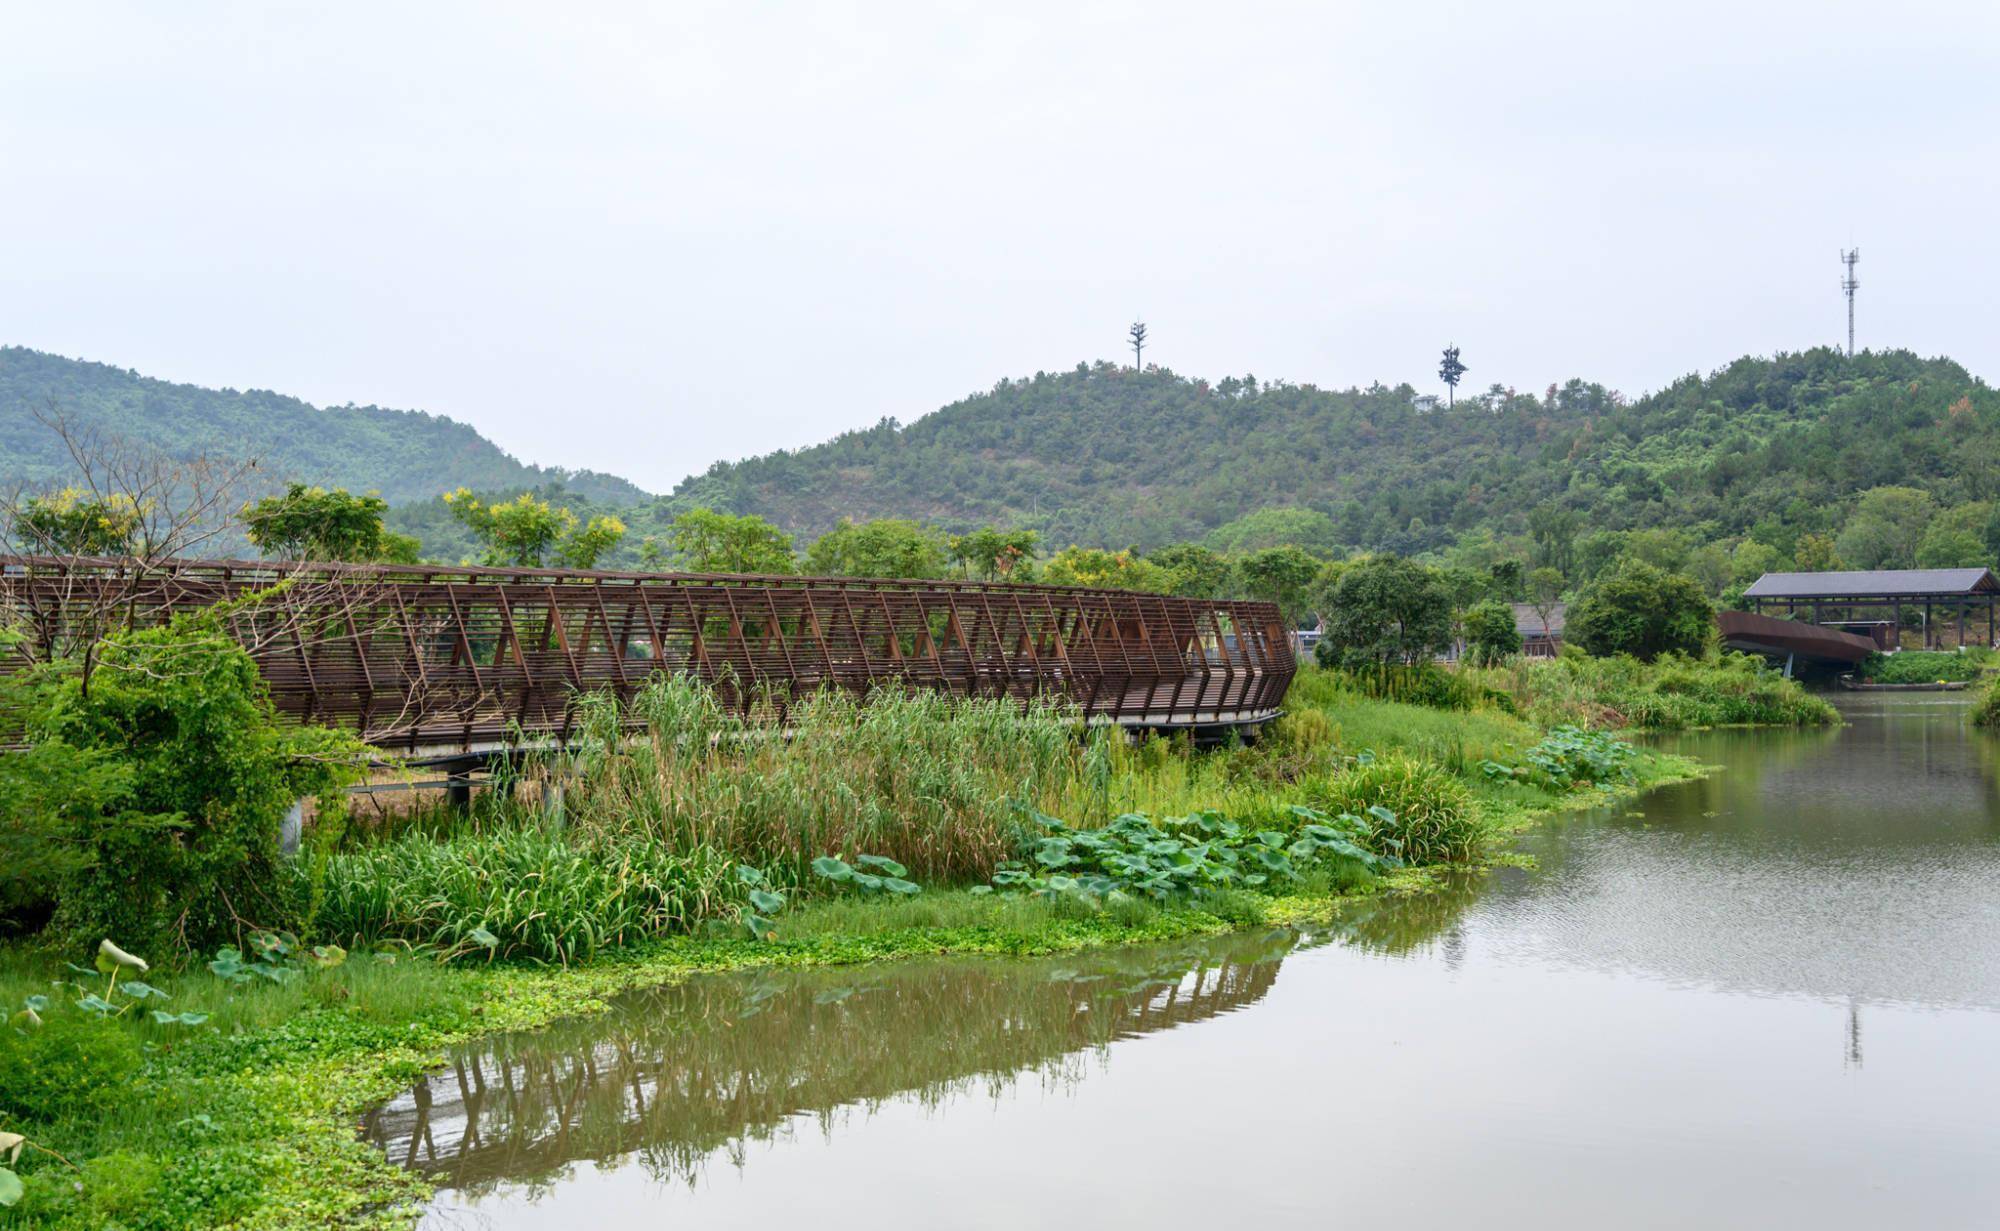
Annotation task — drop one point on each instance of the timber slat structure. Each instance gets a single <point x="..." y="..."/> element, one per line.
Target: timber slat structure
<point x="434" y="660"/>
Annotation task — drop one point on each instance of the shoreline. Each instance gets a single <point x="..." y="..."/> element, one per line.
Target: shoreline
<point x="324" y="1173"/>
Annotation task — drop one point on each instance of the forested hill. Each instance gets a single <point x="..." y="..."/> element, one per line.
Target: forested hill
<point x="403" y="454"/>
<point x="1107" y="456"/>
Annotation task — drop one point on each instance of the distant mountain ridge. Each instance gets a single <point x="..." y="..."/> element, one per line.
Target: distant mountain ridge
<point x="406" y="455"/>
<point x="1108" y="456"/>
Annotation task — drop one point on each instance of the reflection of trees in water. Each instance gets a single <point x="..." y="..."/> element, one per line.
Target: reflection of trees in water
<point x="1405" y="922"/>
<point x="678" y="1074"/>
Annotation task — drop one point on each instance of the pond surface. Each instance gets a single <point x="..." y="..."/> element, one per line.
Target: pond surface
<point x="1766" y="999"/>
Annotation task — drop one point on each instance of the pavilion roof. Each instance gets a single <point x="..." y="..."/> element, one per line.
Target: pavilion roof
<point x="1877" y="583"/>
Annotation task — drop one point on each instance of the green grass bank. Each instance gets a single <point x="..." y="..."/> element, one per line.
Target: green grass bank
<point x="230" y="1098"/>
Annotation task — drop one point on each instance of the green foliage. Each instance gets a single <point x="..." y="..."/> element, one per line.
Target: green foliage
<point x="1986" y="713"/>
<point x="187" y="773"/>
<point x="705" y="541"/>
<point x="1113" y="570"/>
<point x="993" y="555"/>
<point x="1886" y="528"/>
<point x="1642" y="611"/>
<point x="1192" y="571"/>
<point x="529" y="532"/>
<point x="1197" y="854"/>
<point x="1263" y="529"/>
<point x="881" y="548"/>
<point x="312" y="523"/>
<point x="869" y="874"/>
<point x="1281" y="575"/>
<point x="1424" y="812"/>
<point x="71" y="523"/>
<point x="1568" y="757"/>
<point x="1918" y="667"/>
<point x="920" y="778"/>
<point x="1490" y="632"/>
<point x="1385" y="611"/>
<point x="524" y="890"/>
<point x="1672" y="693"/>
<point x="73" y="1064"/>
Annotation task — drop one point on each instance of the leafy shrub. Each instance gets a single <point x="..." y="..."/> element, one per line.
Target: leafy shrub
<point x="183" y="840"/>
<point x="73" y="1065"/>
<point x="526" y="891"/>
<point x="1135" y="855"/>
<point x="1569" y="757"/>
<point x="1430" y="818"/>
<point x="1919" y="667"/>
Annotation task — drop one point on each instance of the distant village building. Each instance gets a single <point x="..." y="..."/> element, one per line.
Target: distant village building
<point x="1540" y="638"/>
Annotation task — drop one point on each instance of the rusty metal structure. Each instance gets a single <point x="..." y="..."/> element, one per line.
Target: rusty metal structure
<point x="435" y="662"/>
<point x="1790" y="639"/>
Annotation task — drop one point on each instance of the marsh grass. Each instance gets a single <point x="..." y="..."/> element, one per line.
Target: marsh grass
<point x="925" y="779"/>
<point x="1673" y="693"/>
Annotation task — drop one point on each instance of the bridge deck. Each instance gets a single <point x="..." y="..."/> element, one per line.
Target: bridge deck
<point x="436" y="659"/>
<point x="1762" y="634"/>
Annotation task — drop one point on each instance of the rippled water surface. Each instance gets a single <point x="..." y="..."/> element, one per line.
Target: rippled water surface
<point x="1763" y="1000"/>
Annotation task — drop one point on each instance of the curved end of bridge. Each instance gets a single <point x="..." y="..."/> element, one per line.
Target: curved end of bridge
<point x="1791" y="639"/>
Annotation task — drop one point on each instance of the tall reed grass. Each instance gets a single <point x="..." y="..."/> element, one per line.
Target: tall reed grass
<point x="1672" y="693"/>
<point x="926" y="779"/>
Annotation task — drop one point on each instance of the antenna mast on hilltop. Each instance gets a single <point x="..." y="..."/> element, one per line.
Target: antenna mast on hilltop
<point x="1137" y="335"/>
<point x="1847" y="283"/>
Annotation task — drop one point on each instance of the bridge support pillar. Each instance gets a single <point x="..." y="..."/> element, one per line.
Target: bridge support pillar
<point x="458" y="790"/>
<point x="292" y="828"/>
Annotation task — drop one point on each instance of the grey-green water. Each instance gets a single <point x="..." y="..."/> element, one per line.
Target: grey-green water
<point x="1766" y="999"/>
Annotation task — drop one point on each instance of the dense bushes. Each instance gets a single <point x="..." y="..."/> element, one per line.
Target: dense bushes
<point x="179" y="776"/>
<point x="1919" y="667"/>
<point x="1674" y="692"/>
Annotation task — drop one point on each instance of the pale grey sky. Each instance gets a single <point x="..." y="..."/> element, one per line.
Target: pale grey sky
<point x="640" y="238"/>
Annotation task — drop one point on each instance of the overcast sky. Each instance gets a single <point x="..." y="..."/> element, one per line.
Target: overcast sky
<point x="643" y="238"/>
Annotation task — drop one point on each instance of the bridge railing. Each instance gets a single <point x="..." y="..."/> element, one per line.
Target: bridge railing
<point x="420" y="658"/>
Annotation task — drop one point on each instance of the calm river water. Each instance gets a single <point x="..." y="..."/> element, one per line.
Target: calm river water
<point x="1763" y="1000"/>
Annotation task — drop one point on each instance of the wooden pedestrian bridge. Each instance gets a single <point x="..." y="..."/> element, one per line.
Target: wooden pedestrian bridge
<point x="434" y="663"/>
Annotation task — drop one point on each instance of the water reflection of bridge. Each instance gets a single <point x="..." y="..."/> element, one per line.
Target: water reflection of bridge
<point x="678" y="1075"/>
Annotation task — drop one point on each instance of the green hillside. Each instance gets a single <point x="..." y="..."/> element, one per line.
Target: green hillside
<point x="1110" y="456"/>
<point x="404" y="454"/>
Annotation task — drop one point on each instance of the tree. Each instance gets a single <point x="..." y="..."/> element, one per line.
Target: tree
<point x="1643" y="611"/>
<point x="705" y="541"/>
<point x="1816" y="553"/>
<point x="1956" y="538"/>
<point x="1451" y="371"/>
<point x="312" y="523"/>
<point x="1137" y="334"/>
<point x="70" y="523"/>
<point x="1554" y="531"/>
<point x="881" y="548"/>
<point x="1386" y="611"/>
<point x="529" y="532"/>
<point x="1276" y="527"/>
<point x="1192" y="571"/>
<point x="1545" y="592"/>
<point x="989" y="554"/>
<point x="1490" y="632"/>
<point x="1093" y="566"/>
<point x="1281" y="575"/>
<point x="1885" y="528"/>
